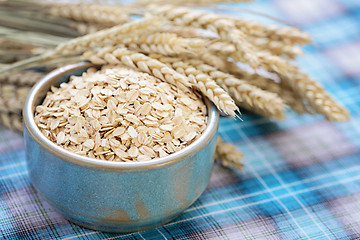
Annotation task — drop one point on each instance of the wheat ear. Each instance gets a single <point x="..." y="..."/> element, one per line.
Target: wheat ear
<point x="276" y="47"/>
<point x="213" y="60"/>
<point x="262" y="44"/>
<point x="288" y="35"/>
<point x="289" y="96"/>
<point x="210" y="21"/>
<point x="104" y="14"/>
<point x="111" y="36"/>
<point x="309" y="89"/>
<point x="138" y="61"/>
<point x="12" y="120"/>
<point x="27" y="78"/>
<point x="244" y="93"/>
<point x="228" y="155"/>
<point x="168" y="44"/>
<point x="204" y="83"/>
<point x="12" y="97"/>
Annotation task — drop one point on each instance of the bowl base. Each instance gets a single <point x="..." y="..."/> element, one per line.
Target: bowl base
<point x="113" y="226"/>
<point x="109" y="228"/>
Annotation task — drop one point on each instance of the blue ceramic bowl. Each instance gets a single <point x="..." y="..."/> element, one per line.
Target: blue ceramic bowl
<point x="115" y="196"/>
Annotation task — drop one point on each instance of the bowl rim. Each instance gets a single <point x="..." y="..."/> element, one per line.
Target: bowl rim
<point x="35" y="133"/>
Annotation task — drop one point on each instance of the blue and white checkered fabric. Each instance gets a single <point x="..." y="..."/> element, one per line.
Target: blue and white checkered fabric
<point x="301" y="178"/>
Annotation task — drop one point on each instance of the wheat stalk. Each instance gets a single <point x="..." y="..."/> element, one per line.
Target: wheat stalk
<point x="33" y="38"/>
<point x="19" y="45"/>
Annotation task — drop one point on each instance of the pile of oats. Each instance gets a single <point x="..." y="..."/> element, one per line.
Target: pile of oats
<point x="118" y="114"/>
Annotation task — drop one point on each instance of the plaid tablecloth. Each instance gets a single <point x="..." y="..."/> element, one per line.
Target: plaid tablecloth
<point x="301" y="177"/>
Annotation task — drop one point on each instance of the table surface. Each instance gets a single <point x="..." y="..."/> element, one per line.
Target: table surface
<point x="301" y="177"/>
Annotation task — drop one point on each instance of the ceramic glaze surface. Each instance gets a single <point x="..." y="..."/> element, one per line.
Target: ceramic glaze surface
<point x="114" y="196"/>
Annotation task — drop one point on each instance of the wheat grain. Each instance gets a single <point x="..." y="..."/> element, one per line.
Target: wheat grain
<point x="227" y="154"/>
<point x="222" y="47"/>
<point x="203" y="82"/>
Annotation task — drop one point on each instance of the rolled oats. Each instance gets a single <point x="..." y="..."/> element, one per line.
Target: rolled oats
<point x="118" y="114"/>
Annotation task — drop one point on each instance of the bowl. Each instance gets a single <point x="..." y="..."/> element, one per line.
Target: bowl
<point x="115" y="196"/>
